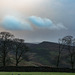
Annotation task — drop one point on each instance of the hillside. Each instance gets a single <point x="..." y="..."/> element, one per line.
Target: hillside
<point x="45" y="54"/>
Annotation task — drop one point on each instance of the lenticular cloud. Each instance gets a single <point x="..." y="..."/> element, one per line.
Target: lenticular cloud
<point x="45" y="23"/>
<point x="12" y="23"/>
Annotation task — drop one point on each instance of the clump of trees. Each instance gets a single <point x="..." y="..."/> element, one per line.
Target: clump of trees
<point x="8" y="43"/>
<point x="67" y="43"/>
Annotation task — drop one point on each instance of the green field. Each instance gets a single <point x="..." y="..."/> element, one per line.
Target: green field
<point x="35" y="73"/>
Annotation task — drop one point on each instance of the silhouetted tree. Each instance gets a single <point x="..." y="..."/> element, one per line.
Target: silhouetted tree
<point x="61" y="47"/>
<point x="20" y="49"/>
<point x="73" y="53"/>
<point x="5" y="46"/>
<point x="59" y="43"/>
<point x="68" y="41"/>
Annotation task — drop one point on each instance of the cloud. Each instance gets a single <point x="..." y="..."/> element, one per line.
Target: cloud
<point x="12" y="23"/>
<point x="38" y="21"/>
<point x="45" y="23"/>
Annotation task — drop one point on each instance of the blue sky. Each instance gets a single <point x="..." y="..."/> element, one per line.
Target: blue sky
<point x="38" y="20"/>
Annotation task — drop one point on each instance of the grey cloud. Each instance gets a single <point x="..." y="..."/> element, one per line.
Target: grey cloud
<point x="60" y="12"/>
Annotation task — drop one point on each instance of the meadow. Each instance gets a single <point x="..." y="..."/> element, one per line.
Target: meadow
<point x="35" y="73"/>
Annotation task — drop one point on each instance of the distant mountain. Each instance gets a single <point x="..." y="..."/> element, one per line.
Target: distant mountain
<point x="45" y="53"/>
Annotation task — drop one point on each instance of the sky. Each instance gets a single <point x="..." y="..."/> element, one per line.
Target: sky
<point x="38" y="20"/>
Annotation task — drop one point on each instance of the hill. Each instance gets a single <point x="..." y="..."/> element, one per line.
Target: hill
<point x="45" y="54"/>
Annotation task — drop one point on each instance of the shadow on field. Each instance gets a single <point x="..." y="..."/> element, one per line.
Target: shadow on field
<point x="34" y="69"/>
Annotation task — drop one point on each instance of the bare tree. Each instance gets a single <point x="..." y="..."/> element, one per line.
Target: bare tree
<point x="68" y="41"/>
<point x="73" y="53"/>
<point x="59" y="43"/>
<point x="20" y="49"/>
<point x="61" y="47"/>
<point x="5" y="45"/>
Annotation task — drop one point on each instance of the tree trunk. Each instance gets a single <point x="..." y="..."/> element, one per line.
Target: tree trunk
<point x="4" y="55"/>
<point x="71" y="56"/>
<point x="16" y="63"/>
<point x="58" y="57"/>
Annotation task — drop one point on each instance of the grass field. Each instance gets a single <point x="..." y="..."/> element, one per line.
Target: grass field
<point x="35" y="73"/>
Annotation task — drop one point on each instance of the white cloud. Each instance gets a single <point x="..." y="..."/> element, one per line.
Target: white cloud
<point x="12" y="23"/>
<point x="46" y="23"/>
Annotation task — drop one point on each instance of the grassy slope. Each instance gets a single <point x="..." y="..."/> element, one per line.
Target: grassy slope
<point x="34" y="73"/>
<point x="46" y="54"/>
